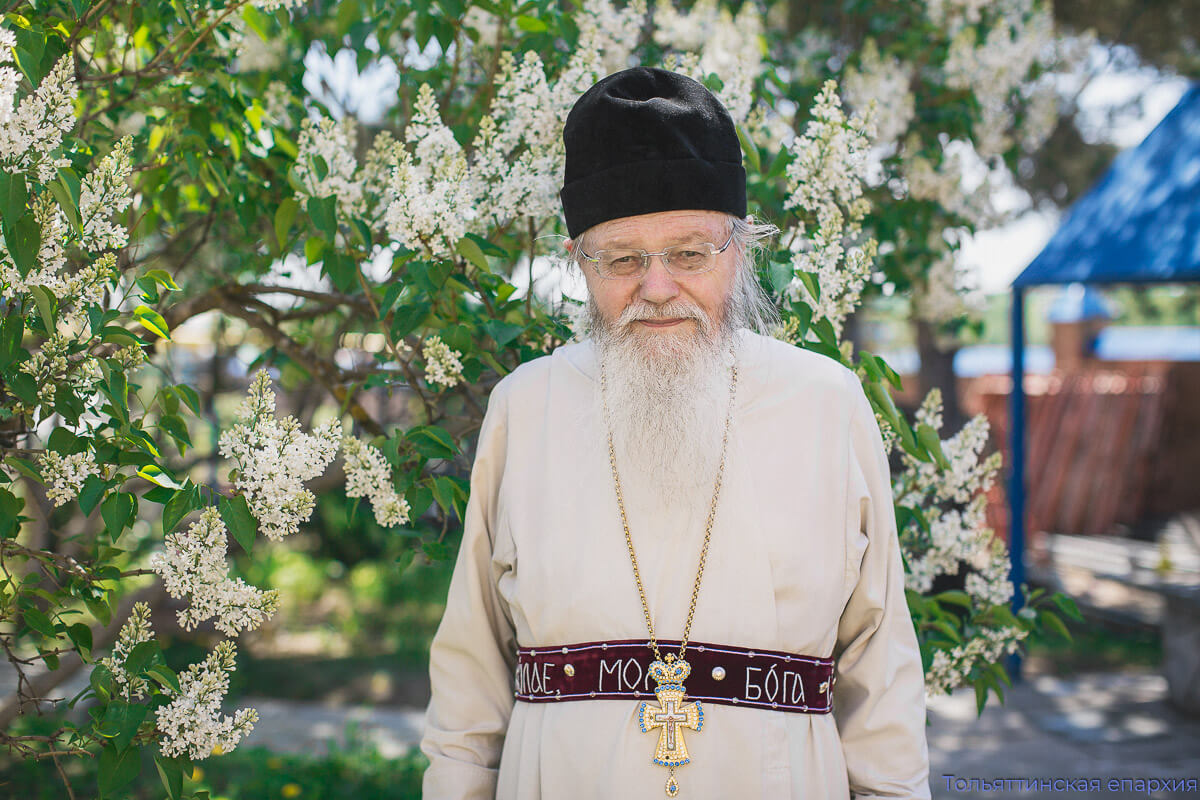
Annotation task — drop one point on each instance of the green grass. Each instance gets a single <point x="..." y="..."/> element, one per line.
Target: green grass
<point x="1096" y="648"/>
<point x="356" y="771"/>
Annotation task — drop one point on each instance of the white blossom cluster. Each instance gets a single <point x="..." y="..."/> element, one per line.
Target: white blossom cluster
<point x="613" y="32"/>
<point x="956" y="536"/>
<point x="251" y="52"/>
<point x="1020" y="36"/>
<point x="135" y="631"/>
<point x="192" y="565"/>
<point x="369" y="475"/>
<point x="64" y="475"/>
<point x="326" y="164"/>
<point x="430" y="202"/>
<point x="938" y="298"/>
<point x="104" y="193"/>
<point x="519" y="154"/>
<point x="52" y="366"/>
<point x="951" y="668"/>
<point x="886" y="82"/>
<point x="274" y="457"/>
<point x="31" y="130"/>
<point x="942" y="183"/>
<point x="51" y="255"/>
<point x="442" y="364"/>
<point x="825" y="183"/>
<point x="192" y="723"/>
<point x="714" y="40"/>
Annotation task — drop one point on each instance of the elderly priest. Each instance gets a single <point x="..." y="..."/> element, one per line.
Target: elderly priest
<point x="679" y="571"/>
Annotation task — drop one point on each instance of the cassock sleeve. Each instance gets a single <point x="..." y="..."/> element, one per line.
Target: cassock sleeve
<point x="879" y="690"/>
<point x="473" y="653"/>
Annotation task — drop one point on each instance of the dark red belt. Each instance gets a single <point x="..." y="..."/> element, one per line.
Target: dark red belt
<point x="734" y="676"/>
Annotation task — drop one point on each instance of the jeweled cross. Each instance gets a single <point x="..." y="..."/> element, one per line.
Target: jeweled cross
<point x="671" y="714"/>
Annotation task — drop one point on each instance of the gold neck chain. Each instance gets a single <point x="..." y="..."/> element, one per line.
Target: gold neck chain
<point x="712" y="512"/>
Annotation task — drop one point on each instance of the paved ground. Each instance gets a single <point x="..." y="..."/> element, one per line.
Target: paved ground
<point x="1099" y="726"/>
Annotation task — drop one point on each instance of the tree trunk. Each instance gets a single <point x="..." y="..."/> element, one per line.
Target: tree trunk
<point x="937" y="369"/>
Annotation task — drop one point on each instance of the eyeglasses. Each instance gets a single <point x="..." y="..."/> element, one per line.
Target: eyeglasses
<point x="691" y="258"/>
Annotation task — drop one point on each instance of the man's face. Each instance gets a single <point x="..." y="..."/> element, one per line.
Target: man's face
<point x="659" y="304"/>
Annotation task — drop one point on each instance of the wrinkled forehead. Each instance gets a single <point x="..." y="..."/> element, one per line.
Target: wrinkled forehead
<point x="663" y="227"/>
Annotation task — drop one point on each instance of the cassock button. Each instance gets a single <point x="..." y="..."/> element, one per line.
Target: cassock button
<point x="569" y="670"/>
<point x="718" y="673"/>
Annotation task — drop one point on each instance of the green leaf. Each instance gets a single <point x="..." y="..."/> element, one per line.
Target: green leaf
<point x="90" y="493"/>
<point x="152" y="321"/>
<point x="24" y="243"/>
<point x="531" y="24"/>
<point x="407" y="317"/>
<point x="142" y="656"/>
<point x="341" y="269"/>
<point x="45" y="304"/>
<point x="124" y="719"/>
<point x="503" y="332"/>
<point x="241" y="523"/>
<point x="179" y="506"/>
<point x="404" y="559"/>
<point x="14" y="196"/>
<point x="432" y="441"/>
<point x="11" y="331"/>
<point x="100" y="679"/>
<point x="156" y="475"/>
<point x="39" y="622"/>
<point x="118" y="335"/>
<point x="751" y="151"/>
<point x="1050" y="620"/>
<point x="174" y="425"/>
<point x="118" y="510"/>
<point x="170" y="770"/>
<point x="930" y="440"/>
<point x="780" y="273"/>
<point x="323" y="212"/>
<point x="471" y="250"/>
<point x="190" y="397"/>
<point x="1067" y="605"/>
<point x="285" y="215"/>
<point x="163" y="279"/>
<point x="81" y="636"/>
<point x="100" y="609"/>
<point x="165" y="676"/>
<point x="118" y="767"/>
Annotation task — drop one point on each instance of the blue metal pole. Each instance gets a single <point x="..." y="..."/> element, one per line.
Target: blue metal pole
<point x="1016" y="483"/>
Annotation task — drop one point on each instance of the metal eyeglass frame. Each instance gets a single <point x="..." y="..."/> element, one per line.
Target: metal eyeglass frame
<point x="666" y="262"/>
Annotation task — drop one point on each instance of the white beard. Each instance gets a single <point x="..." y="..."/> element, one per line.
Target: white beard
<point x="668" y="395"/>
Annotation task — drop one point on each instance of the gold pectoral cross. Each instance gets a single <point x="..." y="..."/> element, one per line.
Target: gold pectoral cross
<point x="671" y="714"/>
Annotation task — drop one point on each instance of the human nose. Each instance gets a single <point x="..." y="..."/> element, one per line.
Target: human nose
<point x="658" y="285"/>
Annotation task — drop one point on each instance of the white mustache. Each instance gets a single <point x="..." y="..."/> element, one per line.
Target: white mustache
<point x="645" y="311"/>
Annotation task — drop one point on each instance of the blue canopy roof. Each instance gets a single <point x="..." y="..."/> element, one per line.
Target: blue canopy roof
<point x="1141" y="222"/>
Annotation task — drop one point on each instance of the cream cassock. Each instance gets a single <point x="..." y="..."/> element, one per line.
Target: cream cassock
<point x="804" y="558"/>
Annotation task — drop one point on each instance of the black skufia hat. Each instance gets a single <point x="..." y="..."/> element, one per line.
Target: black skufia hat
<point x="644" y="140"/>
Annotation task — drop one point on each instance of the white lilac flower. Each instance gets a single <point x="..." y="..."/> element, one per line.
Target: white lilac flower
<point x="274" y="457"/>
<point x="136" y="630"/>
<point x="611" y="31"/>
<point x="442" y="364"/>
<point x="51" y="255"/>
<point x="431" y="204"/>
<point x="276" y="99"/>
<point x="369" y="475"/>
<point x="886" y="82"/>
<point x="951" y="668"/>
<point x="1020" y="36"/>
<point x="518" y="152"/>
<point x="52" y="367"/>
<point x="64" y="475"/>
<point x="326" y="164"/>
<point x="193" y="565"/>
<point x="35" y="129"/>
<point x="715" y="41"/>
<point x="192" y="723"/>
<point x="104" y="194"/>
<point x="938" y="297"/>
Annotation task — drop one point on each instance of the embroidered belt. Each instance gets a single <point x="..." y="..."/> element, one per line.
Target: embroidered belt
<point x="722" y="674"/>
